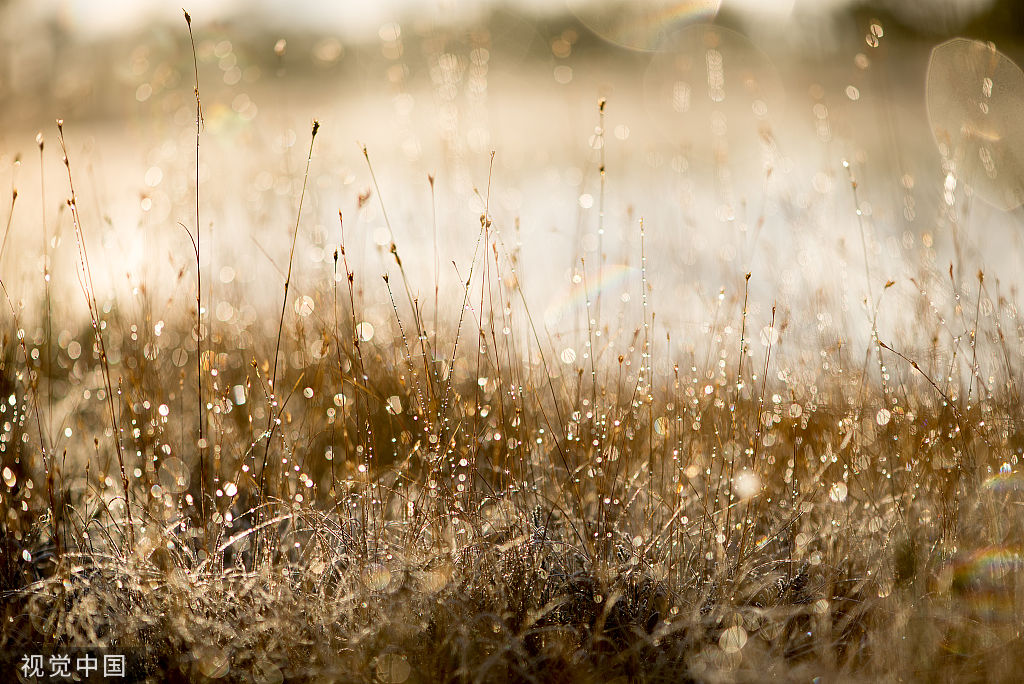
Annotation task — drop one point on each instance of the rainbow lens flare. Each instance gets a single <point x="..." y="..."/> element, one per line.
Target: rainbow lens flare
<point x="642" y="25"/>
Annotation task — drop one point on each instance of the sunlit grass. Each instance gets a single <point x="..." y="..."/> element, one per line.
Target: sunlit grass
<point x="449" y="495"/>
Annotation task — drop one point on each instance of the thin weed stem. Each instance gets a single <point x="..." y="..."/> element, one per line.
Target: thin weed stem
<point x="197" y="244"/>
<point x="284" y="307"/>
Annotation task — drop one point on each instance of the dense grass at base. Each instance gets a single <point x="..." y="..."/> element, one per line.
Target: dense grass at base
<point x="411" y="509"/>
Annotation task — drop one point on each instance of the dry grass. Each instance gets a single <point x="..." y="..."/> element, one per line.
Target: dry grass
<point x="453" y="502"/>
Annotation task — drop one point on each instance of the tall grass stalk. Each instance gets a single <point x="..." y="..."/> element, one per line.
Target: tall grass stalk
<point x="197" y="246"/>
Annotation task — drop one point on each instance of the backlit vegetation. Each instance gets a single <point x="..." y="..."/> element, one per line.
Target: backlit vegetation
<point x="456" y="494"/>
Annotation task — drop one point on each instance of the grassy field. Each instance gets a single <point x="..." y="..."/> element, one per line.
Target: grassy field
<point x="394" y="480"/>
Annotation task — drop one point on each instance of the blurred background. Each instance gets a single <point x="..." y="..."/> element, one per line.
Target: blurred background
<point x="733" y="128"/>
<point x="36" y="34"/>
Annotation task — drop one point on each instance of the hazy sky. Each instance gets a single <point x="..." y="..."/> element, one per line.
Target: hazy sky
<point x="352" y="18"/>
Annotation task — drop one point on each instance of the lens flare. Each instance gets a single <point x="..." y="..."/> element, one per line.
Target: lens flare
<point x="974" y="97"/>
<point x="642" y="25"/>
<point x="987" y="580"/>
<point x="1004" y="483"/>
<point x="611" y="282"/>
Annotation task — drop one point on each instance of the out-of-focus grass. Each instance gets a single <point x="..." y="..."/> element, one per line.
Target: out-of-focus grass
<point x="461" y="501"/>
